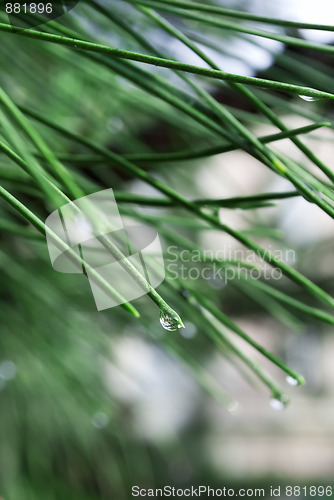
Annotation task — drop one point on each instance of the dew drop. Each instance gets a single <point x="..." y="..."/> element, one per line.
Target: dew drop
<point x="115" y="124"/>
<point x="100" y="420"/>
<point x="280" y="402"/>
<point x="292" y="381"/>
<point x="295" y="381"/>
<point x="307" y="98"/>
<point x="233" y="407"/>
<point x="217" y="284"/>
<point x="210" y="211"/>
<point x="169" y="322"/>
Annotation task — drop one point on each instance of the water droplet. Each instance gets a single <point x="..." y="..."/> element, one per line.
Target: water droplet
<point x="217" y="283"/>
<point x="292" y="381"/>
<point x="7" y="370"/>
<point x="233" y="407"/>
<point x="100" y="420"/>
<point x="279" y="402"/>
<point x="307" y="98"/>
<point x="185" y="293"/>
<point x="115" y="124"/>
<point x="170" y="322"/>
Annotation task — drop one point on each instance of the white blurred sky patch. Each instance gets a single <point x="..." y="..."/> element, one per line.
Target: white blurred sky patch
<point x="307" y="11"/>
